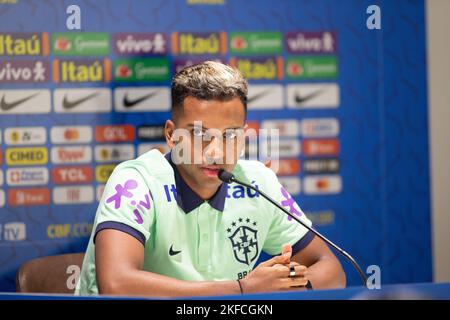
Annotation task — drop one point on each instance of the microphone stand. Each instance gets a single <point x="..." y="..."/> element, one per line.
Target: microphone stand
<point x="229" y="177"/>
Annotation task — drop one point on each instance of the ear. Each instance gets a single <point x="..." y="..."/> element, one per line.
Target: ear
<point x="168" y="132"/>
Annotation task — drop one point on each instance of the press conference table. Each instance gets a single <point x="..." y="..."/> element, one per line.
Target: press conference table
<point x="435" y="291"/>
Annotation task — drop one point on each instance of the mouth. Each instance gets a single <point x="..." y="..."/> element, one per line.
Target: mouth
<point x="210" y="171"/>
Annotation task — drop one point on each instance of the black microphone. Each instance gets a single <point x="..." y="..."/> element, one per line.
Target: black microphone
<point x="228" y="177"/>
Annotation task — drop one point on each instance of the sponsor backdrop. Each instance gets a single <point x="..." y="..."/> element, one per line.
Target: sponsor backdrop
<point x="349" y="102"/>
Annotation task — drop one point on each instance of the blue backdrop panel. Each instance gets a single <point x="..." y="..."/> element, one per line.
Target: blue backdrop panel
<point x="381" y="213"/>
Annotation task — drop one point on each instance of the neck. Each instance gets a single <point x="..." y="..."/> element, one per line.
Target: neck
<point x="202" y="191"/>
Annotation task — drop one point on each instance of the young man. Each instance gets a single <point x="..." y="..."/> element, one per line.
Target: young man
<point x="166" y="226"/>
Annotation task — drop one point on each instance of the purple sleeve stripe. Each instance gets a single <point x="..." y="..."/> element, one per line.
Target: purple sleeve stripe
<point x="303" y="242"/>
<point x="121" y="227"/>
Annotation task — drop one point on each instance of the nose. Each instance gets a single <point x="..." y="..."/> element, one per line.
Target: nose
<point x="214" y="151"/>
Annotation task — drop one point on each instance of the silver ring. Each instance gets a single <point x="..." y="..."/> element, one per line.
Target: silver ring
<point x="292" y="273"/>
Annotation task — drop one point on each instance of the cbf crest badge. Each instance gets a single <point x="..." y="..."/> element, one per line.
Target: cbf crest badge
<point x="244" y="240"/>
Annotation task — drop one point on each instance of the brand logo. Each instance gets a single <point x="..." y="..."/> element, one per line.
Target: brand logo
<point x="173" y="252"/>
<point x="27" y="176"/>
<point x="288" y="147"/>
<point x="24" y="44"/>
<point x="140" y="43"/>
<point x="71" y="175"/>
<point x="320" y="166"/>
<point x="142" y="99"/>
<point x="71" y="134"/>
<point x="73" y="195"/>
<point x="81" y="70"/>
<point x="29" y="197"/>
<point x="265" y="97"/>
<point x="24" y="101"/>
<point x="66" y="104"/>
<point x="119" y="133"/>
<point x="99" y="191"/>
<point x="103" y="172"/>
<point x="256" y="43"/>
<point x="321" y="217"/>
<point x="82" y="100"/>
<point x="244" y="240"/>
<point x="24" y="71"/>
<point x="311" y="42"/>
<point x="318" y="95"/>
<point x="62" y="231"/>
<point x="270" y="68"/>
<point x="26" y="156"/>
<point x="114" y="153"/>
<point x="291" y="184"/>
<point x="13" y="231"/>
<point x="324" y="184"/>
<point x="2" y="198"/>
<point x="143" y="69"/>
<point x="321" y="147"/>
<point x="71" y="154"/>
<point x="148" y="133"/>
<point x="288" y="167"/>
<point x="286" y="128"/>
<point x="319" y="128"/>
<point x="311" y="67"/>
<point x="199" y="43"/>
<point x="25" y="136"/>
<point x="145" y="147"/>
<point x="81" y="44"/>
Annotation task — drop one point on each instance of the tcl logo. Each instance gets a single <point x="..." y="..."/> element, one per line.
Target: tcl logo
<point x="27" y="197"/>
<point x="70" y="175"/>
<point x="73" y="154"/>
<point x="321" y="147"/>
<point x="114" y="133"/>
<point x="13" y="231"/>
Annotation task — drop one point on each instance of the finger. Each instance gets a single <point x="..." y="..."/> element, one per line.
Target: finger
<point x="287" y="249"/>
<point x="281" y="259"/>
<point x="300" y="271"/>
<point x="293" y="282"/>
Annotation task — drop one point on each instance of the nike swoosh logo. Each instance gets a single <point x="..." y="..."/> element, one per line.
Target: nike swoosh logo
<point x="72" y="104"/>
<point x="5" y="106"/>
<point x="257" y="96"/>
<point x="172" y="252"/>
<point x="299" y="99"/>
<point x="127" y="103"/>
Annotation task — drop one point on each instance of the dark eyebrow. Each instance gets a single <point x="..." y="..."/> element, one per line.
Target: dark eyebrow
<point x="205" y="128"/>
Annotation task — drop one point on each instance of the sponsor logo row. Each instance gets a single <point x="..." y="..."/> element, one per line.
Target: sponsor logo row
<point x="82" y="154"/>
<point x="18" y="136"/>
<point x="84" y="194"/>
<point x="156" y="43"/>
<point x="159" y="69"/>
<point x="17" y="231"/>
<point x="99" y="100"/>
<point x="69" y="175"/>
